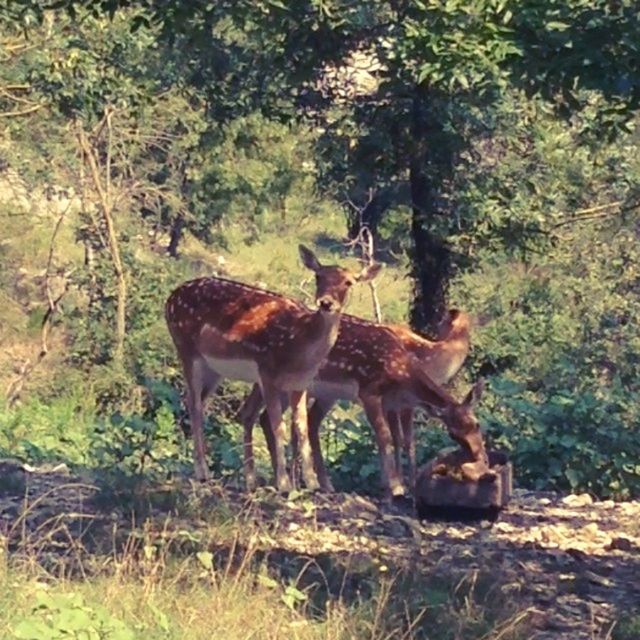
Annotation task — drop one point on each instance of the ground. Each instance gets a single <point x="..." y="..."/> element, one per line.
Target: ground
<point x="568" y="565"/>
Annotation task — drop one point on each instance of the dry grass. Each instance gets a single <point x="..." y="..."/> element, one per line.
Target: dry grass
<point x="214" y="577"/>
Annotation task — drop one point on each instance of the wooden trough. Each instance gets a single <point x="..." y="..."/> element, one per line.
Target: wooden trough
<point x="443" y="488"/>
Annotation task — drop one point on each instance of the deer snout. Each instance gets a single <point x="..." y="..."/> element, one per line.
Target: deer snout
<point x="327" y="303"/>
<point x="472" y="442"/>
<point x="475" y="442"/>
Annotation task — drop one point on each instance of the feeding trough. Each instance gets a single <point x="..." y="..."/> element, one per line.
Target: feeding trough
<point x="451" y="487"/>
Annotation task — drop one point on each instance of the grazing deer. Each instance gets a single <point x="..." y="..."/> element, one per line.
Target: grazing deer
<point x="442" y="359"/>
<point x="226" y="329"/>
<point x="370" y="364"/>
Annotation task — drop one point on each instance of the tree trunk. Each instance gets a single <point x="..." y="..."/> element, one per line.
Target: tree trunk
<point x="432" y="258"/>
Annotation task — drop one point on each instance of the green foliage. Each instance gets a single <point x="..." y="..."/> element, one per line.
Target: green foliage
<point x="628" y="628"/>
<point x="349" y="450"/>
<point x="82" y="79"/>
<point x="259" y="173"/>
<point x="564" y="348"/>
<point x="519" y="187"/>
<point x="136" y="445"/>
<point x="47" y="431"/>
<point x="456" y="45"/>
<point x="568" y="46"/>
<point x="59" y="616"/>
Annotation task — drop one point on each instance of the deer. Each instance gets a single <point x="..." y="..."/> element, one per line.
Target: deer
<point x="442" y="358"/>
<point x="222" y="328"/>
<point x="370" y="364"/>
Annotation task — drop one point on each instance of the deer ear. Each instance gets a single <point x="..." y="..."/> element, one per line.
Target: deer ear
<point x="309" y="258"/>
<point x="473" y="397"/>
<point x="369" y="272"/>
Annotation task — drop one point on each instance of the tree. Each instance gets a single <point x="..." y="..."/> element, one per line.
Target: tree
<point x="442" y="64"/>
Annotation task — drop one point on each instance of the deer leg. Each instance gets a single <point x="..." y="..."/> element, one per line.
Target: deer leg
<point x="247" y="415"/>
<point x="278" y="427"/>
<point x="201" y="381"/>
<point x="295" y="452"/>
<point x="391" y="481"/>
<point x="265" y="425"/>
<point x="301" y="424"/>
<point x="393" y="420"/>
<point x="406" y="420"/>
<point x="316" y="414"/>
<point x="269" y="439"/>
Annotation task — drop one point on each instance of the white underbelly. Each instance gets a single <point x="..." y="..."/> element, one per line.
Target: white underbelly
<point x="245" y="370"/>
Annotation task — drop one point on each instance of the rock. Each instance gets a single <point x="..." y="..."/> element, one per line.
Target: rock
<point x="621" y="543"/>
<point x="396" y="529"/>
<point x="13" y="478"/>
<point x="597" y="579"/>
<point x="577" y="500"/>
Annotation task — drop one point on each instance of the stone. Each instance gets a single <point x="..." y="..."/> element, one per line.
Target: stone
<point x="13" y="478"/>
<point x="621" y="543"/>
<point x="577" y="500"/>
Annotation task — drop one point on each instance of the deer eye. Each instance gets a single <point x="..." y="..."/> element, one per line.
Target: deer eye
<point x="350" y="283"/>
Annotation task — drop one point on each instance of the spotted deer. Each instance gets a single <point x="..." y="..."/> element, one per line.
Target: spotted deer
<point x="370" y="364"/>
<point x="442" y="359"/>
<point x="226" y="329"/>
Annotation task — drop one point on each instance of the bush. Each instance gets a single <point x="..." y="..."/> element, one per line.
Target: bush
<point x="562" y="353"/>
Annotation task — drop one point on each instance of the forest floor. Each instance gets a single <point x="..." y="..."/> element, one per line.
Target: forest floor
<point x="567" y="566"/>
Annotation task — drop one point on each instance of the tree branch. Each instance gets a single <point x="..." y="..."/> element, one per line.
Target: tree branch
<point x="24" y="112"/>
<point x="596" y="212"/>
<point x="107" y="213"/>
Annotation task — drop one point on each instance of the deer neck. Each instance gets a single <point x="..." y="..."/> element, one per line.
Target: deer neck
<point x="430" y="394"/>
<point x="319" y="333"/>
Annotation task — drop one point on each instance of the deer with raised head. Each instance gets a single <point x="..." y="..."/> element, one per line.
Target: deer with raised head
<point x="370" y="364"/>
<point x="226" y="329"/>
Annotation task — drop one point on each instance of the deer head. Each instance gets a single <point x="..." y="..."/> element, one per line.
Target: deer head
<point x="463" y="425"/>
<point x="457" y="322"/>
<point x="333" y="283"/>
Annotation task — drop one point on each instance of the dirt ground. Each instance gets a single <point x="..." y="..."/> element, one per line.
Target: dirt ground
<point x="573" y="563"/>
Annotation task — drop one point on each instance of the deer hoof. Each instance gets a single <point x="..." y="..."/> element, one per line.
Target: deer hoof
<point x="397" y="491"/>
<point x="326" y="486"/>
<point x="283" y="484"/>
<point x="202" y="472"/>
<point x="250" y="482"/>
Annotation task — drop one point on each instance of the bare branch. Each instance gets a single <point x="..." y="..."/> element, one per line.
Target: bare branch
<point x="53" y="302"/>
<point x="364" y="240"/>
<point x="107" y="213"/>
<point x="24" y="112"/>
<point x="597" y="212"/>
<point x="6" y="92"/>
